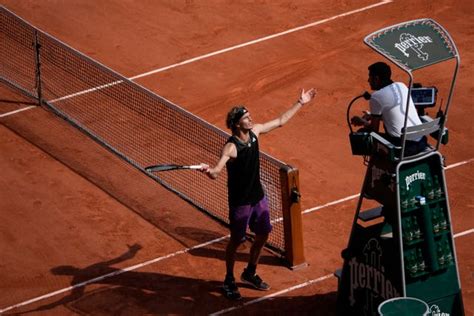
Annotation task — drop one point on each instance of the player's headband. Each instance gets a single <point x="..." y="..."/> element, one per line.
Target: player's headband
<point x="238" y="115"/>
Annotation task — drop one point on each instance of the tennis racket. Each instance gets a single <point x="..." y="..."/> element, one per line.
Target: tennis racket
<point x="168" y="167"/>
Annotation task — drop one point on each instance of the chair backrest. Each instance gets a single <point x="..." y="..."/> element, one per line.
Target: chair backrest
<point x="424" y="129"/>
<point x="429" y="126"/>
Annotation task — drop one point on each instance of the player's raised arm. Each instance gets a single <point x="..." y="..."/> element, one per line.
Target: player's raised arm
<point x="305" y="97"/>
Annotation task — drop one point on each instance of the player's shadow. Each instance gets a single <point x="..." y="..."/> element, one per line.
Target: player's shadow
<point x="217" y="250"/>
<point x="103" y="289"/>
<point x="100" y="289"/>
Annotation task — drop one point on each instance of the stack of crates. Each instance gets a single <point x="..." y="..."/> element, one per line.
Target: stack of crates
<point x="427" y="241"/>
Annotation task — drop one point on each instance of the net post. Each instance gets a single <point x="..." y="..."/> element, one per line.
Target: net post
<point x="37" y="47"/>
<point x="292" y="218"/>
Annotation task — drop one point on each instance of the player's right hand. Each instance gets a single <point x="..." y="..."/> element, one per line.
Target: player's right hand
<point x="204" y="167"/>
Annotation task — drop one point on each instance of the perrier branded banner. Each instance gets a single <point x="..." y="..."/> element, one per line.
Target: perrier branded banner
<point x="413" y="45"/>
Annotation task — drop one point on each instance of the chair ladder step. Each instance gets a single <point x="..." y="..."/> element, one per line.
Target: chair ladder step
<point x="371" y="214"/>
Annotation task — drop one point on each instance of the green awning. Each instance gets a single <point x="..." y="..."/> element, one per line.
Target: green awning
<point x="414" y="44"/>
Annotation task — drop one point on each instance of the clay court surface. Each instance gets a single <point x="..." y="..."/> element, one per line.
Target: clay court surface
<point x="71" y="212"/>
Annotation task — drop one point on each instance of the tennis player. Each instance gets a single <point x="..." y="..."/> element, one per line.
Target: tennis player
<point x="248" y="205"/>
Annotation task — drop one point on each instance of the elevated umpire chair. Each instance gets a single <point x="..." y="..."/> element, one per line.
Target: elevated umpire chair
<point x="402" y="246"/>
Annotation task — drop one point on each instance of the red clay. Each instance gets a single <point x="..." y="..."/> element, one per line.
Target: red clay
<point x="65" y="201"/>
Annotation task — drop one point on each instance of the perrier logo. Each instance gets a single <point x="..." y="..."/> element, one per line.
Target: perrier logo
<point x="436" y="311"/>
<point x="368" y="275"/>
<point x="413" y="44"/>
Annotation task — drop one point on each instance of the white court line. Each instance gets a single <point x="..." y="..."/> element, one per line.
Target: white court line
<point x="33" y="300"/>
<point x="331" y="203"/>
<point x="321" y="206"/>
<point x="295" y="287"/>
<point x="115" y="273"/>
<point x="299" y="286"/>
<point x="87" y="91"/>
<point x="266" y="38"/>
<point x="225" y="50"/>
<point x="466" y="232"/>
<point x="454" y="165"/>
<point x="19" y="110"/>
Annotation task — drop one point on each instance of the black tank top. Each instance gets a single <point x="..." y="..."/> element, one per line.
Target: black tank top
<point x="243" y="173"/>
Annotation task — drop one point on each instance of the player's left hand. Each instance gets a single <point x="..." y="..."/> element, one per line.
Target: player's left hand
<point x="307" y="96"/>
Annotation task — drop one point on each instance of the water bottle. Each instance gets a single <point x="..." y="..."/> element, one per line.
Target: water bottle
<point x="448" y="255"/>
<point x="403" y="197"/>
<point x="437" y="189"/>
<point x="404" y="229"/>
<point x="435" y="220"/>
<point x="443" y="222"/>
<point x="411" y="263"/>
<point x="421" y="260"/>
<point x="441" y="255"/>
<point x="411" y="197"/>
<point x="416" y="228"/>
<point x="428" y="189"/>
<point x="408" y="229"/>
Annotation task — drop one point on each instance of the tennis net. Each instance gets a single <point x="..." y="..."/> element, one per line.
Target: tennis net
<point x="136" y="124"/>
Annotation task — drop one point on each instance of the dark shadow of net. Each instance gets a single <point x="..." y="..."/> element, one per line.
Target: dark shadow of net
<point x="18" y="102"/>
<point x="11" y="100"/>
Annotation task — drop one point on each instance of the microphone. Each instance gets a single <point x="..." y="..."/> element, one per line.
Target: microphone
<point x="366" y="96"/>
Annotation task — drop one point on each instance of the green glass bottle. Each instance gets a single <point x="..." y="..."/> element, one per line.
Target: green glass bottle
<point x="443" y="222"/>
<point x="428" y="189"/>
<point x="440" y="253"/>
<point x="411" y="197"/>
<point x="411" y="265"/>
<point x="403" y="198"/>
<point x="421" y="265"/>
<point x="435" y="220"/>
<point x="408" y="229"/>
<point x="416" y="228"/>
<point x="404" y="229"/>
<point x="448" y="254"/>
<point x="437" y="189"/>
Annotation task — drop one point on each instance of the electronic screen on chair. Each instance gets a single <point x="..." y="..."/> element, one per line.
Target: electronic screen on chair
<point x="423" y="96"/>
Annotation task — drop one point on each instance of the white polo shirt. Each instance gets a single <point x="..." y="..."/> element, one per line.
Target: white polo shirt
<point x="390" y="102"/>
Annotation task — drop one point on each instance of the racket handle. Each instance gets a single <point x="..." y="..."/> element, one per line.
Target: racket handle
<point x="195" y="167"/>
